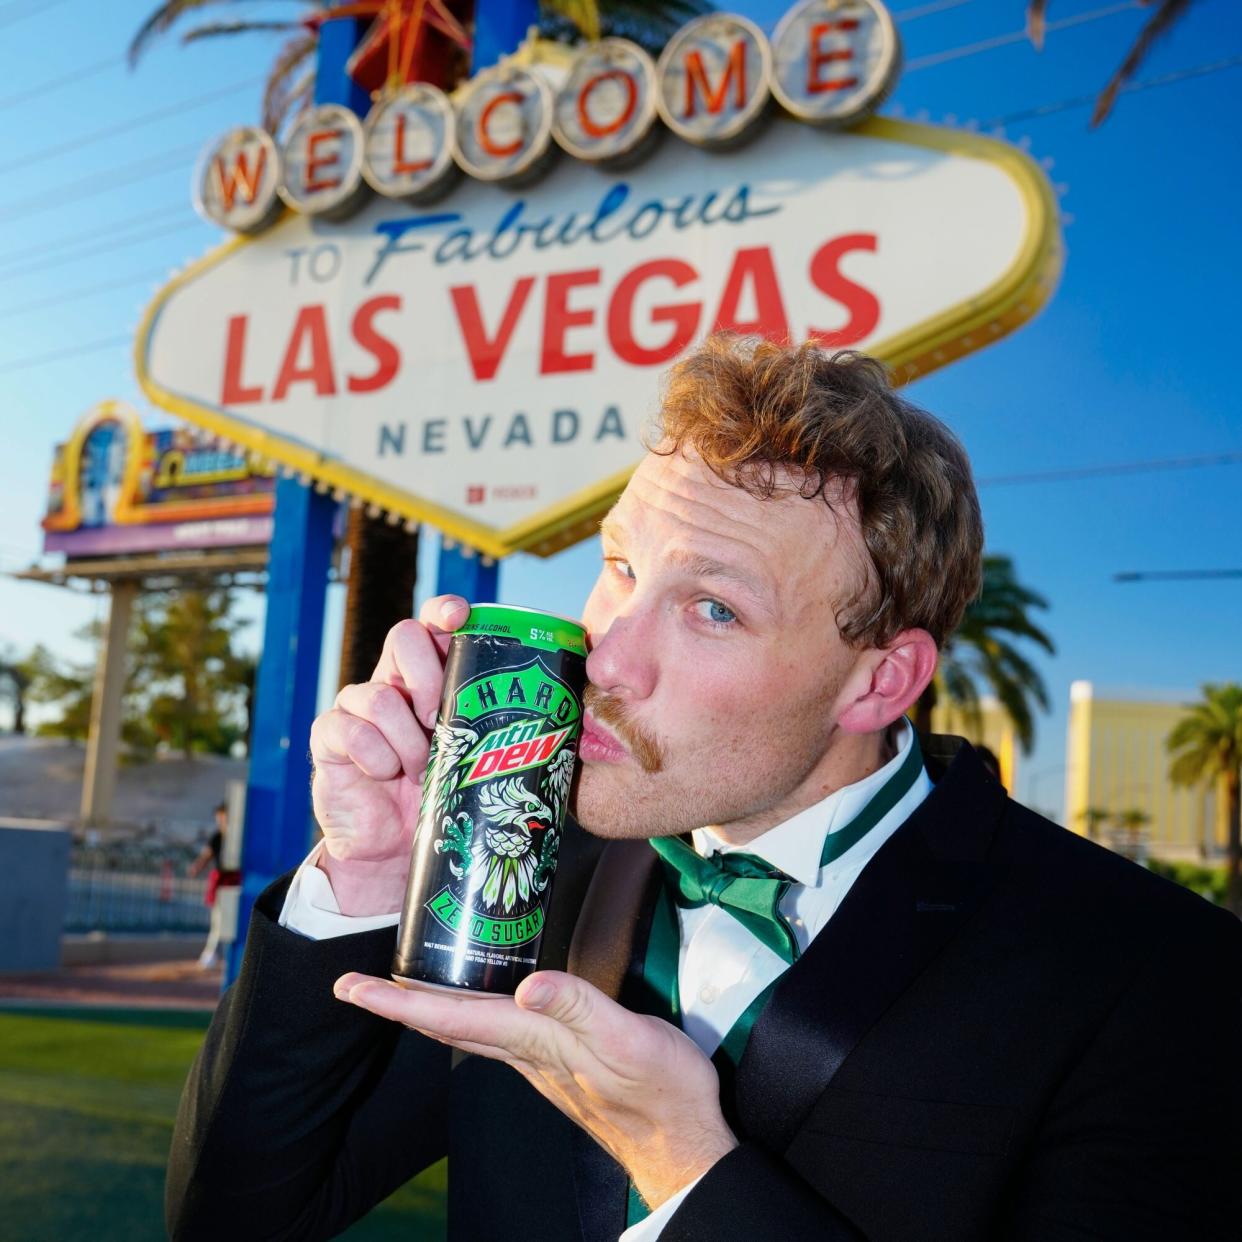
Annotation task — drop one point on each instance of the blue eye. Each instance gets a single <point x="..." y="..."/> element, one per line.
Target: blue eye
<point x="716" y="612"/>
<point x="620" y="566"/>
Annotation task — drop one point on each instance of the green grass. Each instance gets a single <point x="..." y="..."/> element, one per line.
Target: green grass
<point x="87" y="1102"/>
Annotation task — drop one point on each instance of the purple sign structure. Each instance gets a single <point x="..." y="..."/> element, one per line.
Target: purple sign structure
<point x="117" y="488"/>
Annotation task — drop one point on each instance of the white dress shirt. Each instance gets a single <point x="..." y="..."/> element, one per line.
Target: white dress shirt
<point x="722" y="966"/>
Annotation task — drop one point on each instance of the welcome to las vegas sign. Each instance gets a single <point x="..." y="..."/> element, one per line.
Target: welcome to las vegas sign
<point x="458" y="309"/>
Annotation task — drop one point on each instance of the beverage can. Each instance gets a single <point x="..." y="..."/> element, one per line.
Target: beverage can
<point x="494" y="801"/>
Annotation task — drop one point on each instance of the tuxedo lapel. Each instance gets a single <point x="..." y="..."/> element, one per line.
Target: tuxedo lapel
<point x="909" y="901"/>
<point x="575" y="870"/>
<point x="606" y="950"/>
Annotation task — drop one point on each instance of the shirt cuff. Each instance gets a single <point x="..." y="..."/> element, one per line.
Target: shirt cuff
<point x="650" y="1228"/>
<point x="312" y="911"/>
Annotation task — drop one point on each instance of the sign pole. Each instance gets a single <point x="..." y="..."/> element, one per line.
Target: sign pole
<point x="277" y="826"/>
<point x="99" y="779"/>
<point x="499" y="28"/>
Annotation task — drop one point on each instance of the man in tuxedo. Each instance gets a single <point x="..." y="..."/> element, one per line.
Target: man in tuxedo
<point x="820" y="981"/>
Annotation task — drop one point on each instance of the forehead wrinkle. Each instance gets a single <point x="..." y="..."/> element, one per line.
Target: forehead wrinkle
<point x="697" y="511"/>
<point x="755" y="572"/>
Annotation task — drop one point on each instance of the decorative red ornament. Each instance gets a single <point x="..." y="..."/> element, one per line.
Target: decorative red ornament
<point x="408" y="41"/>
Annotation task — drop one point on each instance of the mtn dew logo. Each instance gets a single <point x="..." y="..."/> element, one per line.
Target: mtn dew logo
<point x="500" y="771"/>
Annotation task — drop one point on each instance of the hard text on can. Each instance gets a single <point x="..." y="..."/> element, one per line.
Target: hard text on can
<point x="494" y="800"/>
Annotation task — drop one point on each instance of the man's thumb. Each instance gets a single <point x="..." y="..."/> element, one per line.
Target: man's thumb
<point x="566" y="998"/>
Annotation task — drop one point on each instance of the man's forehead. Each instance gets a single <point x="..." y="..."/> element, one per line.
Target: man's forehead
<point x="678" y="488"/>
<point x="803" y="548"/>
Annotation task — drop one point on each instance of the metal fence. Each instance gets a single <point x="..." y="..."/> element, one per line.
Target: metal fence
<point x="134" y="886"/>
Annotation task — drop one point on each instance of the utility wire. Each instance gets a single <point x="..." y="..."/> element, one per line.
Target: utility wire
<point x="18" y="10"/>
<point x="89" y="186"/>
<point x="58" y="355"/>
<point x="1096" y="472"/>
<point x="1082" y="101"/>
<point x="1176" y="575"/>
<point x="176" y="226"/>
<point x="926" y="10"/>
<point x="75" y="295"/>
<point x="75" y="144"/>
<point x="1017" y="36"/>
<point x="107" y="230"/>
<point x="60" y="81"/>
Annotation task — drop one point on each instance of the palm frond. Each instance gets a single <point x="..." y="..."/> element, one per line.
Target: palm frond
<point x="285" y="94"/>
<point x="982" y="650"/>
<point x="1207" y="742"/>
<point x="1036" y="13"/>
<point x="1160" y="23"/>
<point x="157" y="22"/>
<point x="650" y="23"/>
<point x="165" y="16"/>
<point x="583" y="13"/>
<point x="209" y="30"/>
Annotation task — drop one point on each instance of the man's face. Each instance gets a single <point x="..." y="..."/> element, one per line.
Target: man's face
<point x="716" y="661"/>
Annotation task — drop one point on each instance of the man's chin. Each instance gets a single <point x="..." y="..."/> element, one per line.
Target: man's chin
<point x="604" y="803"/>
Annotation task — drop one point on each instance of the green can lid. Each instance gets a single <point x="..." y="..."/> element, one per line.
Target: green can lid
<point x="544" y="630"/>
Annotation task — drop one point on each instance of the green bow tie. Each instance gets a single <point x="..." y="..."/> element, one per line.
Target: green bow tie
<point x="743" y="885"/>
<point x="750" y="889"/>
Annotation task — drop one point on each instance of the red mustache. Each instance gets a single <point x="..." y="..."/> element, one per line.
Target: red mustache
<point x="618" y="716"/>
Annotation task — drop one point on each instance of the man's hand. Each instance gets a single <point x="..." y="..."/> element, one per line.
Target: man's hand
<point x="637" y="1085"/>
<point x="370" y="755"/>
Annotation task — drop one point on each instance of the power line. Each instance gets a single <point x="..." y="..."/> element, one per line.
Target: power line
<point x="106" y="230"/>
<point x="89" y="291"/>
<point x="1082" y="101"/>
<point x="1017" y="36"/>
<point x="123" y="127"/>
<point x="90" y="186"/>
<point x="1177" y="575"/>
<point x="57" y="355"/>
<point x="18" y="10"/>
<point x="59" y="82"/>
<point x="1096" y="472"/>
<point x="926" y="10"/>
<point x="108" y="247"/>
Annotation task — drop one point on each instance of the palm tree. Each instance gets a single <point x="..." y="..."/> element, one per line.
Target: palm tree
<point x="1093" y="817"/>
<point x="1206" y="747"/>
<point x="981" y="651"/>
<point x="291" y="80"/>
<point x="1166" y="14"/>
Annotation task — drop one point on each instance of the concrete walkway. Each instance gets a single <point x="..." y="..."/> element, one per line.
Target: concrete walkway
<point x="139" y="985"/>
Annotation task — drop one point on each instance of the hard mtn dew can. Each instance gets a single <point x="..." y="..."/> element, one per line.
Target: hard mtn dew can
<point x="494" y="799"/>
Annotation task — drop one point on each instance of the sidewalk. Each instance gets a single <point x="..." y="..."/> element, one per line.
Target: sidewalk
<point x="140" y="985"/>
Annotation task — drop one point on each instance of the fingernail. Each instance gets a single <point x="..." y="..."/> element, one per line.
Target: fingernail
<point x="340" y="990"/>
<point x="537" y="995"/>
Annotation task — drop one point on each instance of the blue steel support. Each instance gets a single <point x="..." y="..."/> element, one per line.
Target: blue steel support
<point x="499" y="28"/>
<point x="467" y="576"/>
<point x="278" y="811"/>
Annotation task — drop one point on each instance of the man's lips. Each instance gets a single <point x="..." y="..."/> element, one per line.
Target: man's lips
<point x="598" y="745"/>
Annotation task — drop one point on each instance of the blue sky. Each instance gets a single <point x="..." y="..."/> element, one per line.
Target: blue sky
<point x="1133" y="360"/>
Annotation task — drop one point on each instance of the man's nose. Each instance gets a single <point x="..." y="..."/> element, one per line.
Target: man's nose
<point x="622" y="660"/>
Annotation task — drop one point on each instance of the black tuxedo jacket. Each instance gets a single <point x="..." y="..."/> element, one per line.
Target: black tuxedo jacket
<point x="1004" y="1032"/>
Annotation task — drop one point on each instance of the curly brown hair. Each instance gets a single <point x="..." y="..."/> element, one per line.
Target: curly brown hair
<point x="754" y="410"/>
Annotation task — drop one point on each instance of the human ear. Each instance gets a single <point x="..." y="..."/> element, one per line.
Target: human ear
<point x="887" y="682"/>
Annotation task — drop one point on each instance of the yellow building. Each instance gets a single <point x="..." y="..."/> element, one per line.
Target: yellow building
<point x="1115" y="762"/>
<point x="992" y="727"/>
